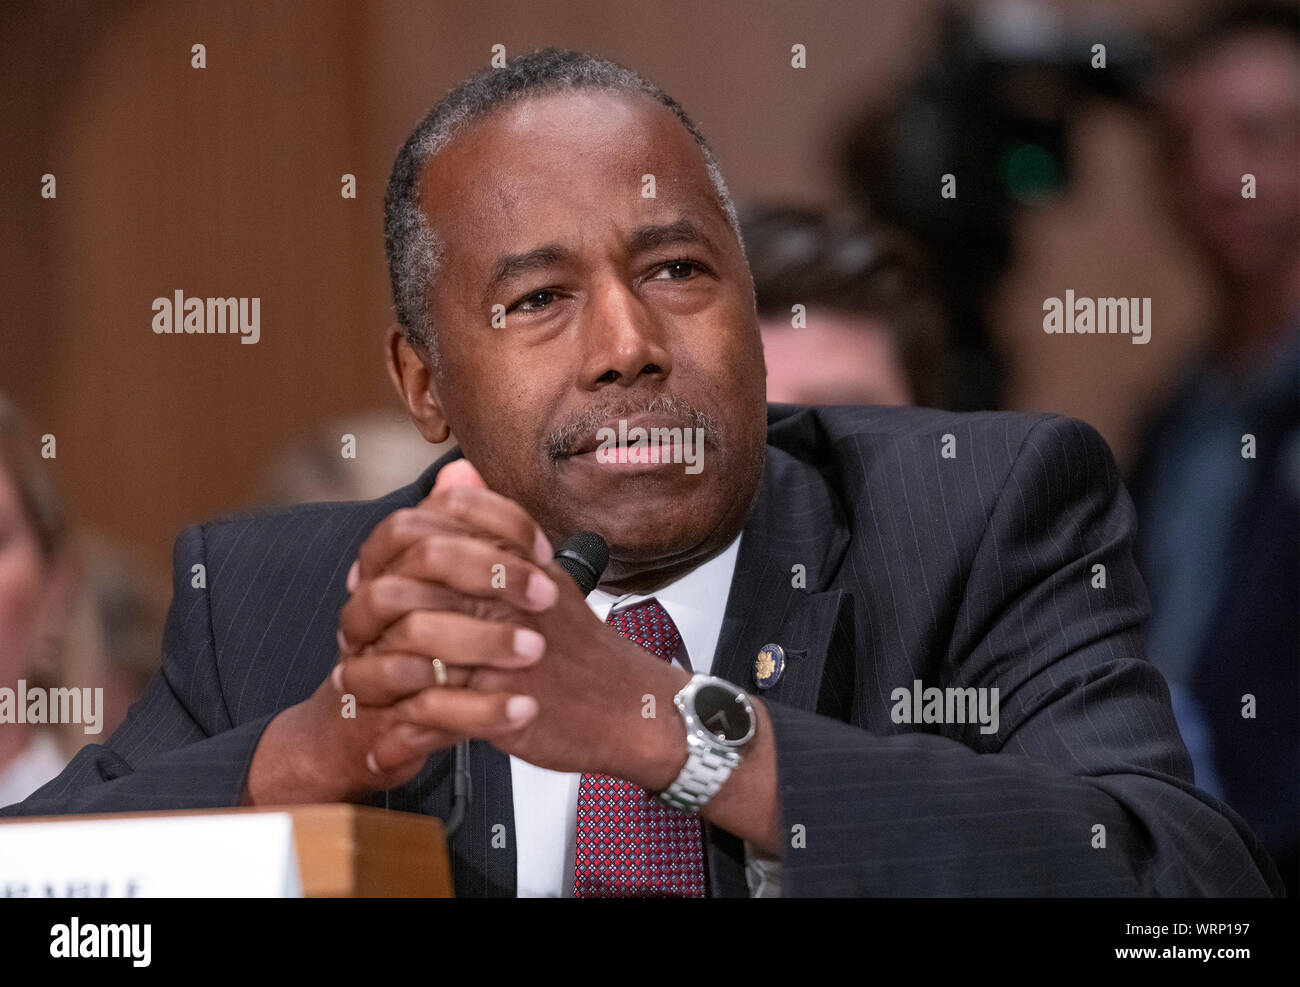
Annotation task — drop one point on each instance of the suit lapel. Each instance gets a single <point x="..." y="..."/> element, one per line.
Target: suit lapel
<point x="789" y="553"/>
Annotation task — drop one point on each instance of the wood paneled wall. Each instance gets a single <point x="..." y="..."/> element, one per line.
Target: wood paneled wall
<point x="225" y="181"/>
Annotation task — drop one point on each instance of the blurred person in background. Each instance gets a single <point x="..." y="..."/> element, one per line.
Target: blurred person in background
<point x="870" y="330"/>
<point x="74" y="613"/>
<point x="1218" y="480"/>
<point x="386" y="453"/>
<point x="36" y="590"/>
<point x="976" y="140"/>
<point x="116" y="630"/>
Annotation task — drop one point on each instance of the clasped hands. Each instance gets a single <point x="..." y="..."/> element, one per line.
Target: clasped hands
<point x="467" y="577"/>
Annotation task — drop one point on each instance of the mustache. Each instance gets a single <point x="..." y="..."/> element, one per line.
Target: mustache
<point x="564" y="440"/>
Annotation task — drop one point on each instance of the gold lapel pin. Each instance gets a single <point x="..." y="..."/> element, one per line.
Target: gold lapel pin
<point x="769" y="665"/>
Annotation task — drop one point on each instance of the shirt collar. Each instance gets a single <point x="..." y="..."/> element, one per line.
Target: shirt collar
<point x="696" y="602"/>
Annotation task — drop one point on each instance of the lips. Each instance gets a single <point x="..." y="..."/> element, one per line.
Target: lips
<point x="599" y="435"/>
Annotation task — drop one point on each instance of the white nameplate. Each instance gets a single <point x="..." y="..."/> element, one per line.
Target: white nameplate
<point x="239" y="855"/>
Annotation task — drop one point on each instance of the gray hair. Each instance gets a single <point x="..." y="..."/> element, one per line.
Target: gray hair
<point x="414" y="249"/>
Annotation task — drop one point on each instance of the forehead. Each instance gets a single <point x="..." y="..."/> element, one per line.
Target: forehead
<point x="562" y="168"/>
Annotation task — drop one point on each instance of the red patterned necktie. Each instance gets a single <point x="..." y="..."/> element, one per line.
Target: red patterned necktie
<point x="629" y="844"/>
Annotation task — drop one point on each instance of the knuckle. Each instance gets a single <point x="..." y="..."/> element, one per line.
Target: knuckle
<point x="426" y="703"/>
<point x="368" y="594"/>
<point x="458" y="499"/>
<point x="386" y="594"/>
<point x="449" y="501"/>
<point x="386" y="529"/>
<point x="407" y="521"/>
<point x="430" y="551"/>
<point x="424" y="623"/>
<point x="397" y="529"/>
<point x="395" y="636"/>
<point x="405" y="628"/>
<point x="385" y="669"/>
<point x="353" y="678"/>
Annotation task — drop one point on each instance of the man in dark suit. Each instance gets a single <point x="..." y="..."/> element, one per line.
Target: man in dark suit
<point x="921" y="630"/>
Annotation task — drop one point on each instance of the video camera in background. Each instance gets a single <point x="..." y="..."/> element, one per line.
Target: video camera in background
<point x="993" y="110"/>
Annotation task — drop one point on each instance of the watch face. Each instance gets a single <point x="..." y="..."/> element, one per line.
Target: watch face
<point x="722" y="712"/>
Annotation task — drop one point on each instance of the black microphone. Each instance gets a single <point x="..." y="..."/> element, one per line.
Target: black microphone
<point x="584" y="557"/>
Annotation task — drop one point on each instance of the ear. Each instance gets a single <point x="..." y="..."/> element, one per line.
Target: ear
<point x="410" y="373"/>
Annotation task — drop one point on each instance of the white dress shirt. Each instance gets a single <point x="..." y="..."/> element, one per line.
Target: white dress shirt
<point x="546" y="802"/>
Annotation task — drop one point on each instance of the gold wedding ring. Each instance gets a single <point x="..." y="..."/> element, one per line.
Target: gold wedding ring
<point x="439" y="671"/>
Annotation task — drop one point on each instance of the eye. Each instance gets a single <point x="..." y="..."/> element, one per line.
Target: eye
<point x="535" y="302"/>
<point x="684" y="266"/>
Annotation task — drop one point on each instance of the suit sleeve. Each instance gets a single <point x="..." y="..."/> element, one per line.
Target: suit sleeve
<point x="1085" y="789"/>
<point x="177" y="748"/>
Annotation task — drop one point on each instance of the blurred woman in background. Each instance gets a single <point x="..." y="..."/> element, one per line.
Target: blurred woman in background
<point x="36" y="582"/>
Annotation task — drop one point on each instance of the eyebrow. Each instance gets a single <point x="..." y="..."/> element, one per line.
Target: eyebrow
<point x="510" y="266"/>
<point x="679" y="231"/>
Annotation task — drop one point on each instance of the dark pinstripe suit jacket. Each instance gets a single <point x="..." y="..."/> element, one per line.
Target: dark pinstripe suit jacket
<point x="973" y="569"/>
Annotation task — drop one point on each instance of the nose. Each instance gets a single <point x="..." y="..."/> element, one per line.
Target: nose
<point x="624" y="339"/>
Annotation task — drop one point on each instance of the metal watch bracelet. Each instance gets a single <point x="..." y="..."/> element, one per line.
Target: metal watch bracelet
<point x="707" y="767"/>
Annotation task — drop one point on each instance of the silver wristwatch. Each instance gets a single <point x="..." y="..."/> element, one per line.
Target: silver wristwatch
<point x="719" y="723"/>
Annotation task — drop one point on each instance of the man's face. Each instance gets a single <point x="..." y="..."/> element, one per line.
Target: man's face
<point x="617" y="306"/>
<point x="1235" y="110"/>
<point x="837" y="358"/>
